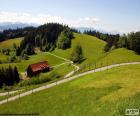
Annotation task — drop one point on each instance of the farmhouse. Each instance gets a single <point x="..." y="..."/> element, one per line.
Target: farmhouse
<point x="35" y="69"/>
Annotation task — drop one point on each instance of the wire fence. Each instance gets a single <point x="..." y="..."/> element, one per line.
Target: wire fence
<point x="100" y="64"/>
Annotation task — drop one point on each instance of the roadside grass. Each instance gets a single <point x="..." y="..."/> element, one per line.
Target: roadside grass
<point x="52" y="76"/>
<point x="105" y="93"/>
<point x="120" y="55"/>
<point x="9" y="43"/>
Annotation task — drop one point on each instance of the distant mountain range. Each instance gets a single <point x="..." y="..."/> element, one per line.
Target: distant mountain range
<point x="82" y="29"/>
<point x="15" y="25"/>
<point x="9" y="25"/>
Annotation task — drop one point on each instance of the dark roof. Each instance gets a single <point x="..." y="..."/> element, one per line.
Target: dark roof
<point x="39" y="66"/>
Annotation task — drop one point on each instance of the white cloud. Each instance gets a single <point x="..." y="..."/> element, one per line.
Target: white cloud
<point x="45" y="18"/>
<point x="80" y="22"/>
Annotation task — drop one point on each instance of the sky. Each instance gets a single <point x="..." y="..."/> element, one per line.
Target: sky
<point x="108" y="15"/>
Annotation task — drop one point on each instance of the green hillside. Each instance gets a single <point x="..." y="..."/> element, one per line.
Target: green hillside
<point x="103" y="93"/>
<point x="9" y="43"/>
<point x="93" y="52"/>
<point x="36" y="58"/>
<point x="92" y="48"/>
<point x="119" y="56"/>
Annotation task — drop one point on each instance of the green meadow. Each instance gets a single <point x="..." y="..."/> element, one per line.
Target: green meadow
<point x="9" y="43"/>
<point x="106" y="93"/>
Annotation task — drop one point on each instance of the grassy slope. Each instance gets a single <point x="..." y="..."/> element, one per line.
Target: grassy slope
<point x="92" y="48"/>
<point x="93" y="51"/>
<point x="104" y="93"/>
<point x="119" y="56"/>
<point x="36" y="58"/>
<point x="9" y="43"/>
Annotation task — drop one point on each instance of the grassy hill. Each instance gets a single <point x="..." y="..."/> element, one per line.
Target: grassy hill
<point x="9" y="43"/>
<point x="104" y="93"/>
<point x="119" y="56"/>
<point x="93" y="52"/>
<point x="92" y="48"/>
<point x="36" y="58"/>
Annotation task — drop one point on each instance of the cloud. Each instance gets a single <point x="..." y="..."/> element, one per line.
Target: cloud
<point x="91" y="22"/>
<point x="45" y="18"/>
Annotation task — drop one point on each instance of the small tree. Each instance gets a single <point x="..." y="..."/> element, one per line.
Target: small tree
<point x="29" y="49"/>
<point x="18" y="51"/>
<point x="77" y="54"/>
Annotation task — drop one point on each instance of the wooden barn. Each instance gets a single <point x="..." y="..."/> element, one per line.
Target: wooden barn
<point x="35" y="69"/>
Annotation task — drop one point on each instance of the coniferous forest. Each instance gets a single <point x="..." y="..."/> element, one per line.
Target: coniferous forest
<point x="9" y="76"/>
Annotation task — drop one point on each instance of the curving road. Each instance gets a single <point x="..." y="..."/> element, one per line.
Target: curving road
<point x="9" y="93"/>
<point x="64" y="80"/>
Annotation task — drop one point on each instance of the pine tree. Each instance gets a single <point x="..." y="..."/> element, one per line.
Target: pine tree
<point x="16" y="75"/>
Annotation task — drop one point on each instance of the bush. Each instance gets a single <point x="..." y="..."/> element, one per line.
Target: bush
<point x="77" y="54"/>
<point x="40" y="79"/>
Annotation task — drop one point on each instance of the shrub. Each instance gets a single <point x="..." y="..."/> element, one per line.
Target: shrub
<point x="40" y="79"/>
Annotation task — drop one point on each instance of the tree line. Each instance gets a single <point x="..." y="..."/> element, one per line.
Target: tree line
<point x="14" y="33"/>
<point x="9" y="76"/>
<point x="130" y="41"/>
<point x="46" y="37"/>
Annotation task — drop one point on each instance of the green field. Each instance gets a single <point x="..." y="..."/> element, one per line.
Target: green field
<point x="9" y="43"/>
<point x="106" y="93"/>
